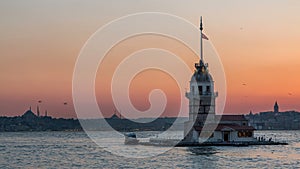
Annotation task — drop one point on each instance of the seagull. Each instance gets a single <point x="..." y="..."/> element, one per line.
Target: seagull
<point x="40" y="101"/>
<point x="65" y="103"/>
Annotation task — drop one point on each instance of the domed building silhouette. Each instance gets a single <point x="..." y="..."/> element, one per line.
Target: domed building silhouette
<point x="29" y="115"/>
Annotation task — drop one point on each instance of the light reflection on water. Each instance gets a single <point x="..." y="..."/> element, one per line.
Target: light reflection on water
<point x="75" y="150"/>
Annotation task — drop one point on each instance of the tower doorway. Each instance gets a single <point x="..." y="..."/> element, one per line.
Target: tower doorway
<point x="226" y="136"/>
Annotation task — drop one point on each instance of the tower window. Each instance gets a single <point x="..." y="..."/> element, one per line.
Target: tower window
<point x="208" y="89"/>
<point x="200" y="89"/>
<point x="245" y="134"/>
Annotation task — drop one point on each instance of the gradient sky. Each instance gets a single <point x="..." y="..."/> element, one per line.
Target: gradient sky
<point x="258" y="42"/>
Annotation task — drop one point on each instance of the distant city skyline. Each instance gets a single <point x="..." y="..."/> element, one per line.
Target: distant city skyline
<point x="257" y="42"/>
<point x="37" y="111"/>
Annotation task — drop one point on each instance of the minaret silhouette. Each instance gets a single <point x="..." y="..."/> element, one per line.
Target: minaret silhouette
<point x="38" y="111"/>
<point x="46" y="113"/>
<point x="276" y="107"/>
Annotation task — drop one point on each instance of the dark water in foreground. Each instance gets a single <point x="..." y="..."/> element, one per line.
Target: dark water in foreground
<point x="76" y="150"/>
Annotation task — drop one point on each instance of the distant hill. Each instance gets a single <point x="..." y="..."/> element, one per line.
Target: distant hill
<point x="29" y="121"/>
<point x="288" y="120"/>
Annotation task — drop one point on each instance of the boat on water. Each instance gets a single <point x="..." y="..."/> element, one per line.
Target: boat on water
<point x="130" y="139"/>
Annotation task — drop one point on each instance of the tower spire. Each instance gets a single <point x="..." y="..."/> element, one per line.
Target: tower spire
<point x="201" y="41"/>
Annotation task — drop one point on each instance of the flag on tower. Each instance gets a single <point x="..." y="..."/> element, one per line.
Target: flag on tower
<point x="204" y="36"/>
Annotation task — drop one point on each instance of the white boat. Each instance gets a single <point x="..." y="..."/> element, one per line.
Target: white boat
<point x="130" y="139"/>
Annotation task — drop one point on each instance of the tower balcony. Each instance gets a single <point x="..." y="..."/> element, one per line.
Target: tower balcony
<point x="202" y="94"/>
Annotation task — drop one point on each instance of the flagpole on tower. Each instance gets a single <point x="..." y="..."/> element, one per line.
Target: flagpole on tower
<point x="201" y="41"/>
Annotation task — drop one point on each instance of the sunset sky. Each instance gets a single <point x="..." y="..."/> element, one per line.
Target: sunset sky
<point x="257" y="41"/>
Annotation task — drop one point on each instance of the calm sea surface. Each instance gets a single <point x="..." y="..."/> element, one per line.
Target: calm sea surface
<point x="77" y="150"/>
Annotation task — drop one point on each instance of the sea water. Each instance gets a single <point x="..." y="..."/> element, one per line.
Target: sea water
<point x="77" y="150"/>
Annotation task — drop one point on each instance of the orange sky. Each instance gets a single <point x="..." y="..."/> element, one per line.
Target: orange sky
<point x="258" y="43"/>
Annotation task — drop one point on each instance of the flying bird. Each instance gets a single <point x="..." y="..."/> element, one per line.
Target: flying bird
<point x="65" y="103"/>
<point x="40" y="101"/>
